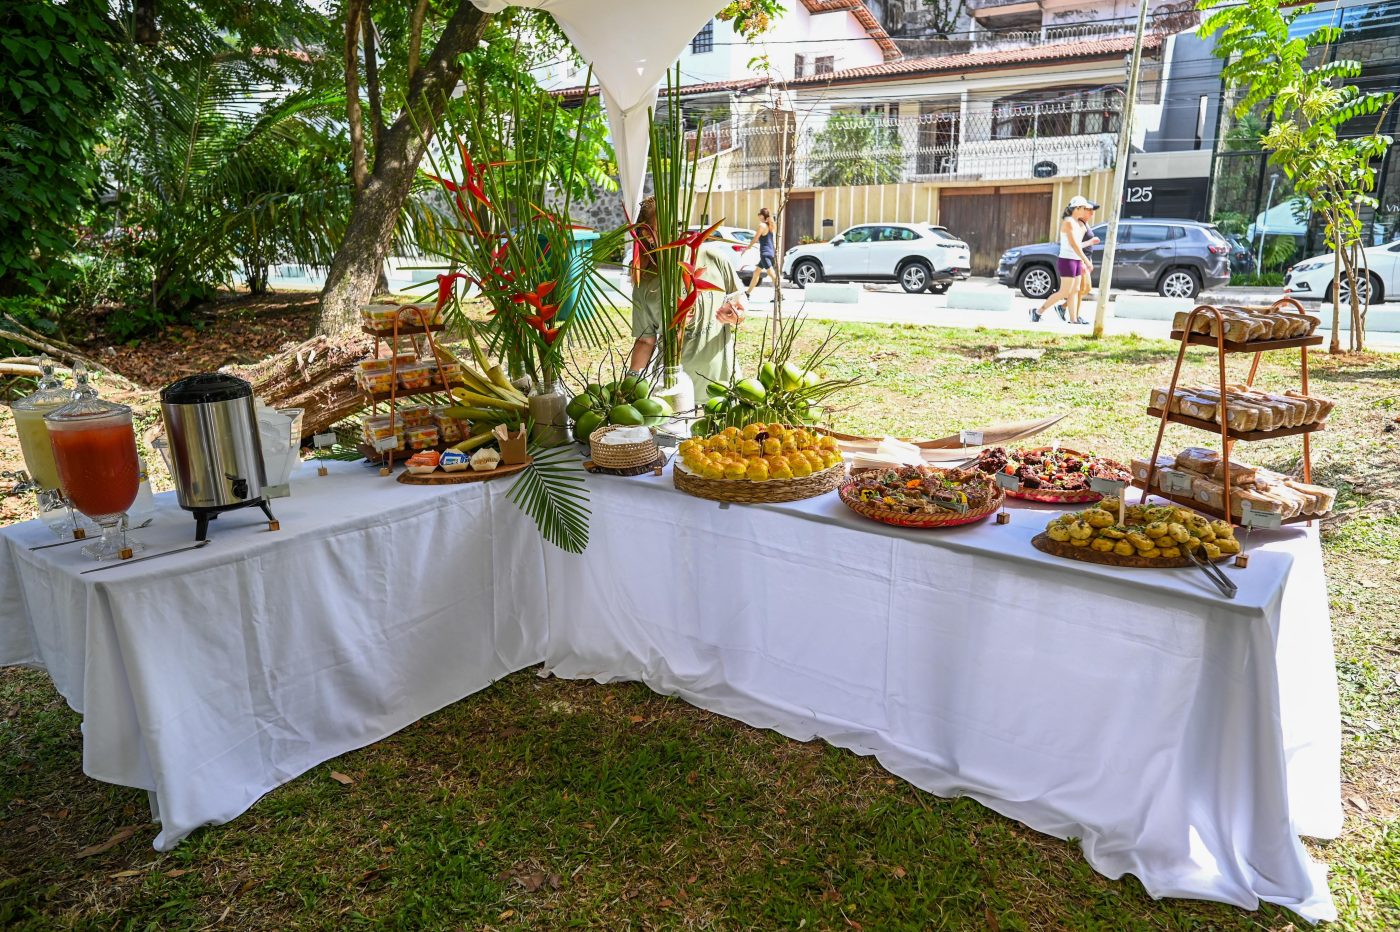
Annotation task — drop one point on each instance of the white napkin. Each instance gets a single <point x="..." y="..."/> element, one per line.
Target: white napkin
<point x="626" y="435"/>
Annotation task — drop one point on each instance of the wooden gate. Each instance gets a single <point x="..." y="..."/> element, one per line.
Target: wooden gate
<point x="992" y="220"/>
<point x="798" y="217"/>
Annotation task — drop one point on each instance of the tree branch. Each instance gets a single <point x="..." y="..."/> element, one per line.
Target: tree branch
<point x="376" y="96"/>
<point x="415" y="36"/>
<point x="358" y="170"/>
<point x="19" y="333"/>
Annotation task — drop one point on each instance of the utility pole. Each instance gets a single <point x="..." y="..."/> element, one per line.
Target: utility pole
<point x="1120" y="173"/>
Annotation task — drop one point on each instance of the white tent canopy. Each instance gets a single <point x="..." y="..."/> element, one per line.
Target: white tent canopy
<point x="631" y="44"/>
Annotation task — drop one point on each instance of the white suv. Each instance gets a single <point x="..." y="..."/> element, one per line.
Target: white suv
<point x="920" y="256"/>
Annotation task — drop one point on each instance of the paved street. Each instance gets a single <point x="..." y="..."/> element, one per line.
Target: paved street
<point x="889" y="304"/>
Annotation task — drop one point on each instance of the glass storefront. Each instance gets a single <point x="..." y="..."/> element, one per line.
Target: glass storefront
<point x="1253" y="202"/>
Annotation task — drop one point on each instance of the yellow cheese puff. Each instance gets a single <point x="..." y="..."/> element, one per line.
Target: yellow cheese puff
<point x="1150" y="552"/>
<point x="1178" y="532"/>
<point x="1058" y="532"/>
<point x="1097" y="518"/>
<point x="1227" y="545"/>
<point x="1102" y="544"/>
<point x="1140" y="541"/>
<point x="1124" y="549"/>
<point x="1211" y="550"/>
<point x="1116" y="532"/>
<point x="1081" y="531"/>
<point x="1191" y="544"/>
<point x="1222" y="528"/>
<point x="1156" y="529"/>
<point x="1079" y="542"/>
<point x="1173" y="552"/>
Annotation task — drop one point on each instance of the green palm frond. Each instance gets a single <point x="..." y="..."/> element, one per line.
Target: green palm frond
<point x="552" y="491"/>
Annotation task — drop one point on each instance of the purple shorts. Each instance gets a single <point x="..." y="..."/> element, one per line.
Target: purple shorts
<point x="1069" y="268"/>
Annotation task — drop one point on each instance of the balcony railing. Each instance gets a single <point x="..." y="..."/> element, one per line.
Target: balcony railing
<point x="1002" y="144"/>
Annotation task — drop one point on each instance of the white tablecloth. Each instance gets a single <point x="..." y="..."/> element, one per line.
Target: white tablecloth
<point x="1184" y="738"/>
<point x="211" y="677"/>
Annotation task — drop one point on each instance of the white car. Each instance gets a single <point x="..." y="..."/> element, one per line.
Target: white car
<point x="1312" y="278"/>
<point x="920" y="256"/>
<point x="742" y="251"/>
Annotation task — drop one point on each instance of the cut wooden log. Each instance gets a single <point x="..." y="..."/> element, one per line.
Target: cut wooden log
<point x="317" y="376"/>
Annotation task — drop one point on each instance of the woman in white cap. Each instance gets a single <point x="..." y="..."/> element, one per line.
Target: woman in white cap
<point x="1072" y="261"/>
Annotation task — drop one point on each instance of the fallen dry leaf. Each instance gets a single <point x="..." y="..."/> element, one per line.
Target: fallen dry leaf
<point x="130" y="873"/>
<point x="507" y="914"/>
<point x="667" y="903"/>
<point x="992" y="923"/>
<point x="341" y="778"/>
<point x="899" y="872"/>
<point x="637" y="719"/>
<point x="691" y="777"/>
<point x="121" y="835"/>
<point x="176" y="872"/>
<point x="1359" y="803"/>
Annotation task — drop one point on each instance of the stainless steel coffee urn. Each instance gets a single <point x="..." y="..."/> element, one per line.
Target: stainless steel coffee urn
<point x="215" y="451"/>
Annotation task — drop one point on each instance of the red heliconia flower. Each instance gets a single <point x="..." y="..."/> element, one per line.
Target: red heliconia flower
<point x="445" y="283"/>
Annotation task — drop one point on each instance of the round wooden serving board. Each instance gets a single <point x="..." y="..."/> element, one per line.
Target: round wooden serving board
<point x="1057" y="548"/>
<point x="438" y="477"/>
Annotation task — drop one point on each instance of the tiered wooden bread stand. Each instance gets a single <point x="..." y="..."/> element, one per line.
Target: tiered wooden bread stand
<point x="1224" y="348"/>
<point x="392" y="336"/>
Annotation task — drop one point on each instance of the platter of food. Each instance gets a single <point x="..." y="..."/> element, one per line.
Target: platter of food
<point x="1053" y="475"/>
<point x="1159" y="536"/>
<point x="922" y="496"/>
<point x="431" y="468"/>
<point x="759" y="463"/>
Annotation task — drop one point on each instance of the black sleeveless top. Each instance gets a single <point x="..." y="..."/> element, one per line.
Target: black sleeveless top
<point x="765" y="244"/>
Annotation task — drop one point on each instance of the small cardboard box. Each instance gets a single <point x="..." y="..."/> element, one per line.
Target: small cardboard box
<point x="512" y="445"/>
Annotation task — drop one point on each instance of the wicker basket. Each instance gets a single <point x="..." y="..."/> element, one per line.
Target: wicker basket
<point x="887" y="515"/>
<point x="620" y="455"/>
<point x="746" y="492"/>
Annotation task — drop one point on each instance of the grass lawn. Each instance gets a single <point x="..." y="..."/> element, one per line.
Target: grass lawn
<point x="546" y="804"/>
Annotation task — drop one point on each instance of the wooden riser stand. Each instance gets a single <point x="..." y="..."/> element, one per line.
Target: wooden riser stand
<point x="391" y="398"/>
<point x="1225" y="348"/>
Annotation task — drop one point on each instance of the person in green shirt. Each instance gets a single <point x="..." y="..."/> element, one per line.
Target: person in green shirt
<point x="707" y="352"/>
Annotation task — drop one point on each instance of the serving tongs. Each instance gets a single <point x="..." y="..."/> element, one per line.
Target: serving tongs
<point x="1215" y="574"/>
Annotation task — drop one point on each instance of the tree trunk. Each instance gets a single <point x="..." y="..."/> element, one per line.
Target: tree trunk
<point x="1335" y="346"/>
<point x="317" y="376"/>
<point x="355" y="268"/>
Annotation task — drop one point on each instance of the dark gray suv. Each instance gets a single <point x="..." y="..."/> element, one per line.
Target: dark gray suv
<point x="1175" y="258"/>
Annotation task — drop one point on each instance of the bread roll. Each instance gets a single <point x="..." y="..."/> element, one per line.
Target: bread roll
<point x="1323" y="497"/>
<point x="1198" y="460"/>
<point x="1258" y="501"/>
<point x="1241" y="474"/>
<point x="1208" y="492"/>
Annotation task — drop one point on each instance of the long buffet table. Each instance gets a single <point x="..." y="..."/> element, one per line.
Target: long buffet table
<point x="1186" y="739"/>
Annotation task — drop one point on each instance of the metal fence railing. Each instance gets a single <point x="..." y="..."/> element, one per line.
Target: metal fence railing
<point x="987" y="142"/>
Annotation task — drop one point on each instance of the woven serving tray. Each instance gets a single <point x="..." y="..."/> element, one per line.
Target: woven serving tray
<point x="746" y="492"/>
<point x="1058" y="548"/>
<point x="886" y="515"/>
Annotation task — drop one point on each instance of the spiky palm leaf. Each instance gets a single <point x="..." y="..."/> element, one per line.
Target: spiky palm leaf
<point x="552" y="491"/>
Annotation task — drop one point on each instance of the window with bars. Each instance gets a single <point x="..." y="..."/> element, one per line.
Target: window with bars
<point x="826" y="64"/>
<point x="704" y="40"/>
<point x="799" y="66"/>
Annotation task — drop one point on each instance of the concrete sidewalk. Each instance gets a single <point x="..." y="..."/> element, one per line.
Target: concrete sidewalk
<point x="889" y="304"/>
